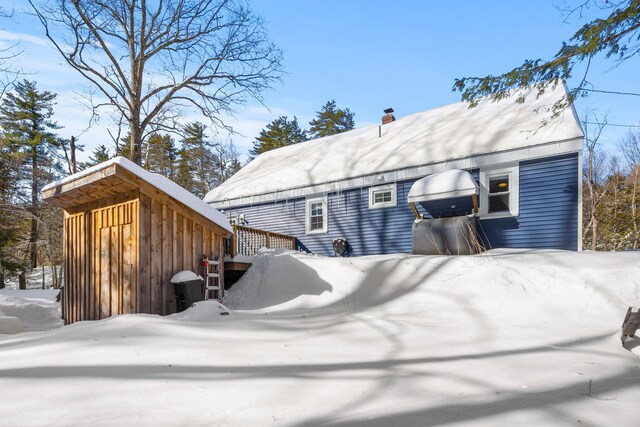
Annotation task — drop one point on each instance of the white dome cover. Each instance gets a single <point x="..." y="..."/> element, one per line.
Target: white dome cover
<point x="185" y="276"/>
<point x="443" y="185"/>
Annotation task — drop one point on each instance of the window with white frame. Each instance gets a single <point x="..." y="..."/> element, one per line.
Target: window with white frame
<point x="382" y="196"/>
<point x="316" y="215"/>
<point x="499" y="191"/>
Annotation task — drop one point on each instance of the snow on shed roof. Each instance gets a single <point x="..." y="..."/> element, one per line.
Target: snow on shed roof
<point x="160" y="182"/>
<point x="443" y="185"/>
<point x="451" y="132"/>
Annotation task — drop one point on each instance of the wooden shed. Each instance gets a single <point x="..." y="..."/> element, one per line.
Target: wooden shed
<point x="126" y="233"/>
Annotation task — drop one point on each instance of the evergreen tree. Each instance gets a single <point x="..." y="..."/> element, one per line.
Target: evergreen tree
<point x="331" y="120"/>
<point x="279" y="133"/>
<point x="196" y="164"/>
<point x="123" y="148"/>
<point x="100" y="154"/>
<point x="614" y="35"/>
<point x="183" y="173"/>
<point x="25" y="118"/>
<point x="12" y="226"/>
<point x="161" y="155"/>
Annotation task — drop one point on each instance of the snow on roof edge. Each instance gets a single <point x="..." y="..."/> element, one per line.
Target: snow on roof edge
<point x="510" y="125"/>
<point x="208" y="198"/>
<point x="158" y="181"/>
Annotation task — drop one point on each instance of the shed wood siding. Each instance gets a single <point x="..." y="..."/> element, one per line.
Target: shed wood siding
<point x="123" y="241"/>
<point x="113" y="258"/>
<point x="75" y="299"/>
<point x="548" y="214"/>
<point x="165" y="232"/>
<point x="120" y="259"/>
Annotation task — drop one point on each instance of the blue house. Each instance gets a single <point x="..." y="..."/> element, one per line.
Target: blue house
<point x="526" y="161"/>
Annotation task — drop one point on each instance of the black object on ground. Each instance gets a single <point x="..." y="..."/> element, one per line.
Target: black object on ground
<point x="188" y="292"/>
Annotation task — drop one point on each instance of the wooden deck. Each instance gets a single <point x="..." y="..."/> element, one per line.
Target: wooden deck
<point x="245" y="243"/>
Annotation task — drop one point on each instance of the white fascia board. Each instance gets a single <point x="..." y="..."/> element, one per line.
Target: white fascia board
<point x="473" y="162"/>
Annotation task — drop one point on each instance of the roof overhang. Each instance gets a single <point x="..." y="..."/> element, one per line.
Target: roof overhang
<point x="120" y="176"/>
<point x="106" y="182"/>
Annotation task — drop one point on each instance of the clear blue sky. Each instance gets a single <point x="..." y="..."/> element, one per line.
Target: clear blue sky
<point x="370" y="55"/>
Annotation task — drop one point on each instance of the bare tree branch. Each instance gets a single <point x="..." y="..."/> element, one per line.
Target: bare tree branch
<point x="152" y="60"/>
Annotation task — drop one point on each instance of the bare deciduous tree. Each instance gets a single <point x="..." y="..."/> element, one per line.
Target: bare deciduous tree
<point x="152" y="60"/>
<point x="594" y="167"/>
<point x="630" y="148"/>
<point x="8" y="53"/>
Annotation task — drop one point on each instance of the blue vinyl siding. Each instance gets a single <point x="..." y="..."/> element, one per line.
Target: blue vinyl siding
<point x="368" y="231"/>
<point x="548" y="214"/>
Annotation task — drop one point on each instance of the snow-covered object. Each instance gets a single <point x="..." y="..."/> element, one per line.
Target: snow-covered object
<point x="443" y="185"/>
<point x="509" y="337"/>
<point x="202" y="311"/>
<point x="158" y="181"/>
<point x="451" y="132"/>
<point x="37" y="310"/>
<point x="185" y="276"/>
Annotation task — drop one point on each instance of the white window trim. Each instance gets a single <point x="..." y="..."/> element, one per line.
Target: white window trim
<point x="394" y="197"/>
<point x="307" y="215"/>
<point x="513" y="172"/>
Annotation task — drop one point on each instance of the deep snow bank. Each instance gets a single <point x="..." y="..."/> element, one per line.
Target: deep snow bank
<point x="506" y="338"/>
<point x="36" y="310"/>
<point x="537" y="283"/>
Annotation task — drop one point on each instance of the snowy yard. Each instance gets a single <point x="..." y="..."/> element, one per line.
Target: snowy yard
<point x="509" y="337"/>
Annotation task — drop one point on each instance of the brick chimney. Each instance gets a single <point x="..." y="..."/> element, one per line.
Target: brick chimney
<point x="388" y="116"/>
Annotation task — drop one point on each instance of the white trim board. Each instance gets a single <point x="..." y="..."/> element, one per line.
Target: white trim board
<point x="473" y="162"/>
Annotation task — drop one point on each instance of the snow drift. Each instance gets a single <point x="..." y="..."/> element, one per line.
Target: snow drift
<point x="32" y="310"/>
<point x="503" y="338"/>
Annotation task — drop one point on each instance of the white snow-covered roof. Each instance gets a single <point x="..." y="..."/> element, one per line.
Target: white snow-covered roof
<point x="443" y="185"/>
<point x="160" y="182"/>
<point x="451" y="132"/>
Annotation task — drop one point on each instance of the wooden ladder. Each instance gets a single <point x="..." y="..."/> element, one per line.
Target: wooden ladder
<point x="212" y="279"/>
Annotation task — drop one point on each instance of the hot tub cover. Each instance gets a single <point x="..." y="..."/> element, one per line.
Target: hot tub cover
<point x="185" y="276"/>
<point x="443" y="185"/>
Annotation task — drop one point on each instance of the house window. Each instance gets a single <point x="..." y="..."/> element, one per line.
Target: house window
<point x="499" y="194"/>
<point x="382" y="196"/>
<point x="499" y="191"/>
<point x="316" y="215"/>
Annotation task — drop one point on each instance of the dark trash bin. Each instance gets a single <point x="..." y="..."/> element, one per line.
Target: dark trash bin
<point x="189" y="288"/>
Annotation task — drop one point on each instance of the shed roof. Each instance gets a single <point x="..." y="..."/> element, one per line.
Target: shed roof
<point x="117" y="176"/>
<point x="451" y="132"/>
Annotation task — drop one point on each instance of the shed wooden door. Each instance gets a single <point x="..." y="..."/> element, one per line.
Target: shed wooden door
<point x="115" y="258"/>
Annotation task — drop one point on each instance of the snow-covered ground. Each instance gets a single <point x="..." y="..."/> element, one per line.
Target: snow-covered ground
<point x="505" y="338"/>
<point x="35" y="278"/>
<point x="28" y="310"/>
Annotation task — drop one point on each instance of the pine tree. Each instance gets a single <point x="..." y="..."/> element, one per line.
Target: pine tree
<point x="25" y="118"/>
<point x="196" y="164"/>
<point x="161" y="155"/>
<point x="331" y="120"/>
<point x="614" y="35"/>
<point x="279" y="133"/>
<point x="100" y="154"/>
<point x="13" y="229"/>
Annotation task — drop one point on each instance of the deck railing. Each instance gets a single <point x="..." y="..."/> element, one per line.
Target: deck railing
<point x="247" y="241"/>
